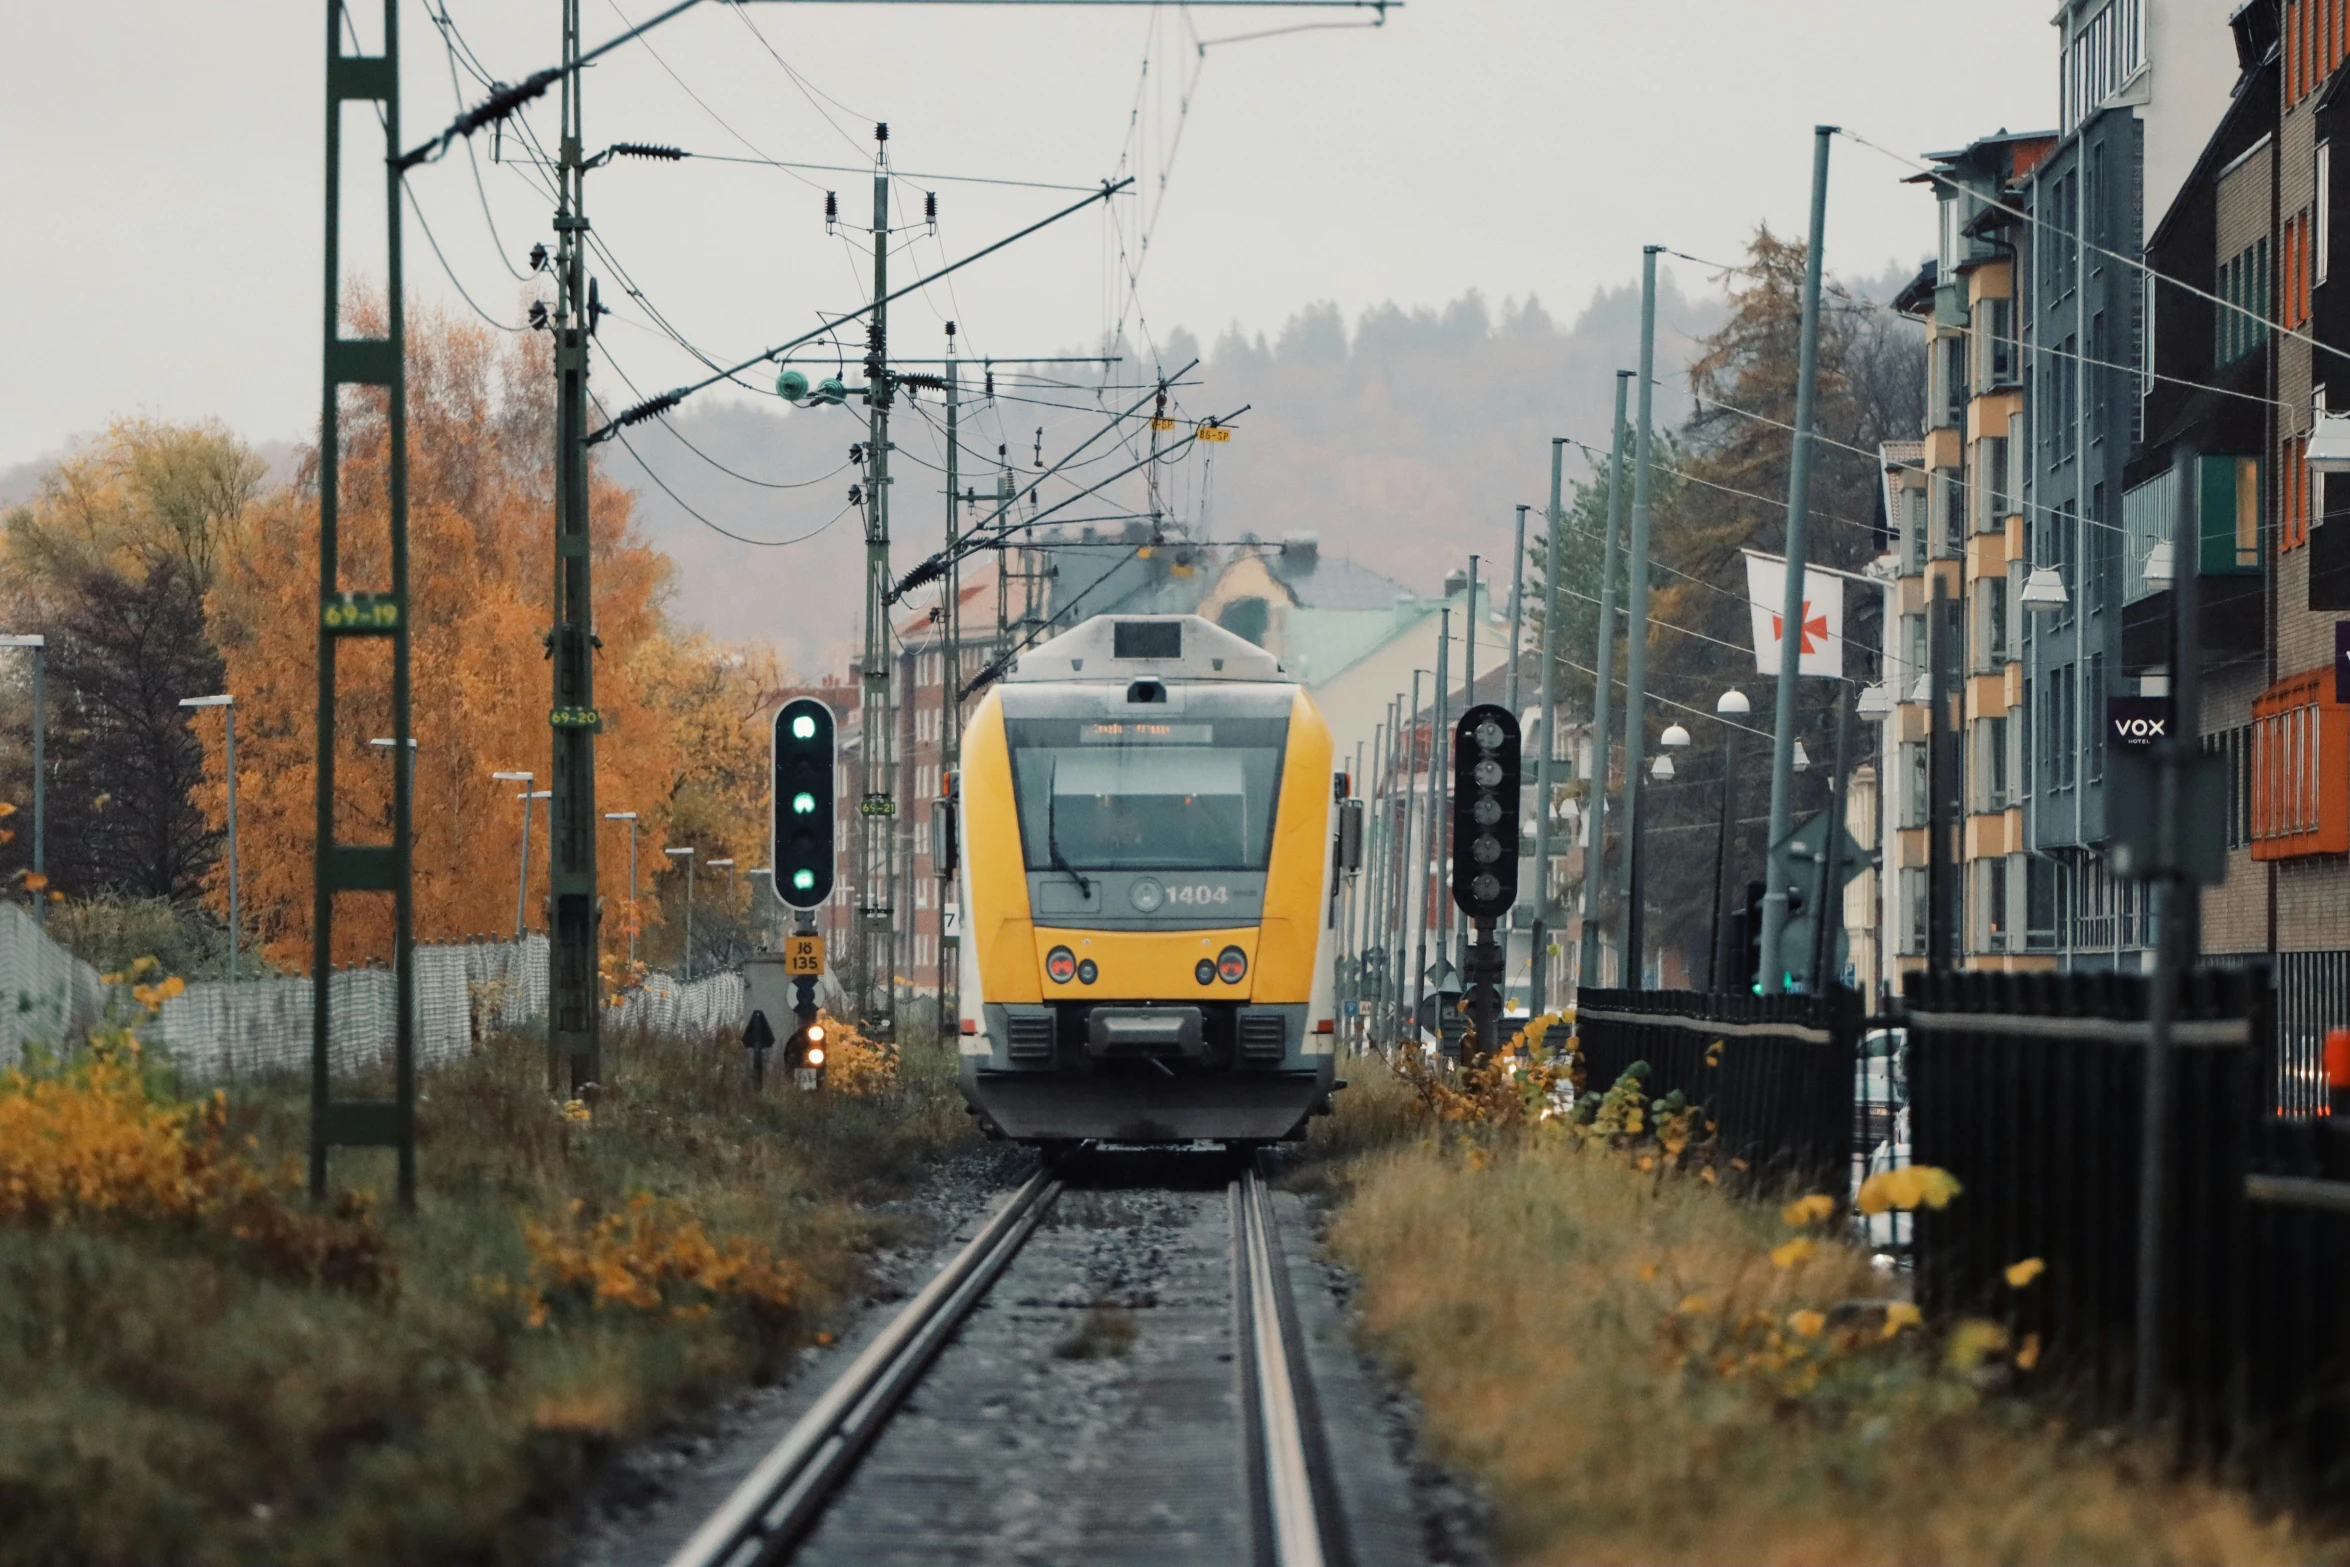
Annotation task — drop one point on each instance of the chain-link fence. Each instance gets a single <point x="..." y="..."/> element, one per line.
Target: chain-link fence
<point x="215" y="1031"/>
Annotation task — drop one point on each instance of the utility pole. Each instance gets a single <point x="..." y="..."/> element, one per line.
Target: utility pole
<point x="1774" y="911"/>
<point x="877" y="798"/>
<point x="574" y="978"/>
<point x="1538" y="975"/>
<point x="1603" y="694"/>
<point x="1636" y="631"/>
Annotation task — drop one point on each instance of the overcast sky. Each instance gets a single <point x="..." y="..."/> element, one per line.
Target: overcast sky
<point x="161" y="246"/>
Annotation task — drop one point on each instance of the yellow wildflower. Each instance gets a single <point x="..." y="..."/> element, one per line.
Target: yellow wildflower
<point x="1901" y="1314"/>
<point x="1797" y="1250"/>
<point x="1971" y="1341"/>
<point x="1808" y="1323"/>
<point x="2028" y="1356"/>
<point x="1693" y="1306"/>
<point x="1808" y="1210"/>
<point x="1912" y="1186"/>
<point x="2024" y="1272"/>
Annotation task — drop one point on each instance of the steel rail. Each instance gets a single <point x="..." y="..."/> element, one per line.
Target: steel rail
<point x="1298" y="1522"/>
<point x="780" y="1500"/>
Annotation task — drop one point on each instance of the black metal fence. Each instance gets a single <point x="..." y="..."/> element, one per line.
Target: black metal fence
<point x="1779" y="1087"/>
<point x="2030" y="1089"/>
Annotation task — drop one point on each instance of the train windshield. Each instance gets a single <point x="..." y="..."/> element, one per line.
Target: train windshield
<point x="1119" y="796"/>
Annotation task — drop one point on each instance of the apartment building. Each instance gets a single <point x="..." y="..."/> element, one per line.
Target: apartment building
<point x="2019" y="498"/>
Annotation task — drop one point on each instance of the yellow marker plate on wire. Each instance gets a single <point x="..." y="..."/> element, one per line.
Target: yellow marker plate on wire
<point x="1213" y="432"/>
<point x="1162" y="424"/>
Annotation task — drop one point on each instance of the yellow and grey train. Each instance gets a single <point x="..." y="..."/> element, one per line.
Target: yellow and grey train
<point x="1147" y="829"/>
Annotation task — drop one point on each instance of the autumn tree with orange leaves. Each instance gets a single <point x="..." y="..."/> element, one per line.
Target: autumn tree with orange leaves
<point x="678" y="713"/>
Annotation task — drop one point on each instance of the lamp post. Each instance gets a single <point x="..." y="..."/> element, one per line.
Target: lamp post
<point x="522" y="882"/>
<point x="630" y="818"/>
<point x="37" y="645"/>
<point x="686" y="961"/>
<point x="228" y="706"/>
<point x="726" y="865"/>
<point x="1729" y="707"/>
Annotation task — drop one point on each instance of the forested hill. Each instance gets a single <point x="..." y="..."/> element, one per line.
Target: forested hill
<point x="1403" y="437"/>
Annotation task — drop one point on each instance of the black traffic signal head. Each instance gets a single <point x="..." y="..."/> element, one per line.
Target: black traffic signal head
<point x="803" y="771"/>
<point x="1485" y="812"/>
<point x="808" y="1046"/>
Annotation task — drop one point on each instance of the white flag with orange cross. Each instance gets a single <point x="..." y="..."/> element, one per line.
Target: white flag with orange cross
<point x="1822" y="625"/>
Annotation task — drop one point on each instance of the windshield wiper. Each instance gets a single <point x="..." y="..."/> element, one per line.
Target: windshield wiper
<point x="1052" y="846"/>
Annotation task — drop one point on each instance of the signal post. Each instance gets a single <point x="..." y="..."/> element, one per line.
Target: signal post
<point x="1486" y="780"/>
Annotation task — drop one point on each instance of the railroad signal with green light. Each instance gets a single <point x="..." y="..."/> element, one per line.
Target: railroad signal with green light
<point x="803" y="773"/>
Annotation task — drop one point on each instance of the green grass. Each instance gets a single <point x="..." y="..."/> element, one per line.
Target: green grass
<point x="165" y="1399"/>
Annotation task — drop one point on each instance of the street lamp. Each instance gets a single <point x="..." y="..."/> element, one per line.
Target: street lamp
<point x="1876" y="702"/>
<point x="1662" y="768"/>
<point x="228" y="706"/>
<point x="522" y="884"/>
<point x="2161" y="569"/>
<point x="1802" y="758"/>
<point x="2043" y="592"/>
<point x="36" y="644"/>
<point x="687" y="962"/>
<point x="630" y="818"/>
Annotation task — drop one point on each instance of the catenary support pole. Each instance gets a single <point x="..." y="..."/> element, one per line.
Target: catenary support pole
<point x="1440" y="808"/>
<point x="1538" y="950"/>
<point x="1939" y="756"/>
<point x="877" y="802"/>
<point x="2174" y="945"/>
<point x="1828" y="906"/>
<point x="1636" y="630"/>
<point x="1423" y="857"/>
<point x="1603" y="694"/>
<point x="1718" y="970"/>
<point x="1517" y="609"/>
<point x="950" y="716"/>
<point x="41" y="780"/>
<point x="574" y="975"/>
<point x="1774" y="913"/>
<point x="1469" y="663"/>
<point x="229" y="765"/>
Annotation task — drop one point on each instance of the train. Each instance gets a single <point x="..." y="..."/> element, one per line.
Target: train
<point x="1148" y="832"/>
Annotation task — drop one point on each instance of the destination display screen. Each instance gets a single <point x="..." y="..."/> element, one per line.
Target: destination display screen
<point x="1129" y="732"/>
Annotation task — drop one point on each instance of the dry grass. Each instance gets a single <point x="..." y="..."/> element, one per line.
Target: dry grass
<point x="1619" y="1357"/>
<point x="570" y="1283"/>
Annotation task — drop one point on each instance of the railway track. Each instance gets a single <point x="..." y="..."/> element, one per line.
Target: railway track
<point x="1293" y="1515"/>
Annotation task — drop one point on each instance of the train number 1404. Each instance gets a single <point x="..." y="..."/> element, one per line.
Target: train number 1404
<point x="1199" y="892"/>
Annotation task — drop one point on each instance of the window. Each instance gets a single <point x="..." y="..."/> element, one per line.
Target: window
<point x="2039" y="901"/>
<point x="1913" y="531"/>
<point x="1950" y="495"/>
<point x="1191" y="796"/>
<point x="2234" y="748"/>
<point x="2243" y="308"/>
<point x="2298" y="801"/>
<point x="1994" y="499"/>
<point x="1991" y="763"/>
<point x="1995" y="364"/>
<point x="1913" y="910"/>
<point x="1954" y="373"/>
<point x="1913" y="629"/>
<point x="2056" y="729"/>
<point x="1914" y="791"/>
<point x="2323" y="211"/>
<point x="1995" y="903"/>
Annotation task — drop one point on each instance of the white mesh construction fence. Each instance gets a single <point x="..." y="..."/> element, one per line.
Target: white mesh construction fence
<point x="214" y="1030"/>
<point x="664" y="1005"/>
<point x="46" y="993"/>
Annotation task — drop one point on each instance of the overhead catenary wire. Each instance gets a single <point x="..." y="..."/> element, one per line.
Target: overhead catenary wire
<point x="2086" y="243"/>
<point x="719" y="528"/>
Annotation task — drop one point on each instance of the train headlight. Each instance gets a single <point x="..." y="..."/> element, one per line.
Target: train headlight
<point x="1231" y="965"/>
<point x="1087" y="973"/>
<point x="1061" y="964"/>
<point x="1205" y="973"/>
